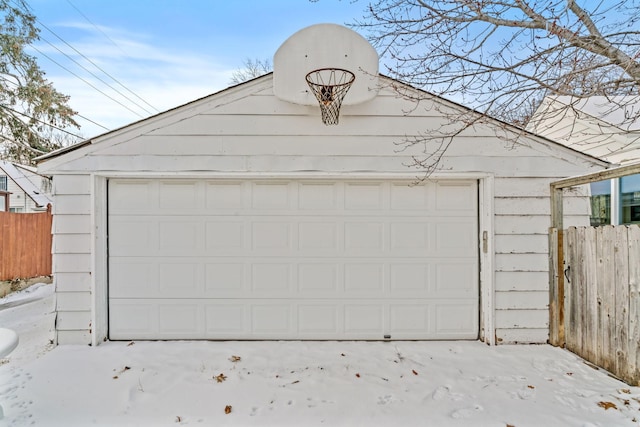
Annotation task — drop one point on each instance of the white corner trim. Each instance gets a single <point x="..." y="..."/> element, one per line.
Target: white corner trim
<point x="99" y="261"/>
<point x="487" y="255"/>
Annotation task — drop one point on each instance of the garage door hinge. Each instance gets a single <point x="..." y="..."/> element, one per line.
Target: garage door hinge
<point x="485" y="242"/>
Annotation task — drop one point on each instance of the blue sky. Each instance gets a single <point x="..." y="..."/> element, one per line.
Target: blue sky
<point x="166" y="52"/>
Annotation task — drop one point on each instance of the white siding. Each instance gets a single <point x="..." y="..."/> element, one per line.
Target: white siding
<point x="247" y="130"/>
<point x="72" y="265"/>
<point x="18" y="198"/>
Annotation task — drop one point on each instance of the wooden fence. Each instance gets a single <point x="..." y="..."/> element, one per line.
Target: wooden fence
<point x="25" y="245"/>
<point x="598" y="317"/>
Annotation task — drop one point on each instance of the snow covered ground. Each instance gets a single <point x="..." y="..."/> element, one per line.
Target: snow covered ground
<point x="296" y="383"/>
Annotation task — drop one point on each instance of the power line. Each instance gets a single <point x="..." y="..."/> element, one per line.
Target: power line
<point x="41" y="121"/>
<point x="91" y="121"/>
<point x="94" y="75"/>
<point x="88" y="83"/>
<point x="76" y="114"/>
<point x="97" y="27"/>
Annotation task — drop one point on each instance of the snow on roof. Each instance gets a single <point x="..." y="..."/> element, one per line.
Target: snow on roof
<point x="605" y="127"/>
<point x="620" y="111"/>
<point x="30" y="189"/>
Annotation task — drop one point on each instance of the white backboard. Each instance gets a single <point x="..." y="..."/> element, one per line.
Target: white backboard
<point x="324" y="46"/>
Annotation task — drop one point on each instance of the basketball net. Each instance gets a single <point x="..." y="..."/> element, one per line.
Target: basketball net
<point x="330" y="85"/>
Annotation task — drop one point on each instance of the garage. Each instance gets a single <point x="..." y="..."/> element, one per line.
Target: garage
<point x="292" y="259"/>
<point x="260" y="213"/>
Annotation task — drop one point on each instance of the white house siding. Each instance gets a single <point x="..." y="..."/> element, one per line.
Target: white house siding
<point x="521" y="260"/>
<point x="72" y="262"/>
<point x="18" y="198"/>
<point x="247" y="130"/>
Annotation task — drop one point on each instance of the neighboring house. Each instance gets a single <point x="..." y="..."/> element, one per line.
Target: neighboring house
<point x="22" y="189"/>
<point x="607" y="128"/>
<point x="242" y="216"/>
<point x="604" y="127"/>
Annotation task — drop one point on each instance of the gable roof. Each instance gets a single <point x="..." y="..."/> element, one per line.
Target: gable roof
<point x="17" y="174"/>
<point x="265" y="82"/>
<point x="73" y="147"/>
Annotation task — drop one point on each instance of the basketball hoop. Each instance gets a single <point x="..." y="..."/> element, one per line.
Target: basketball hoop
<point x="330" y="85"/>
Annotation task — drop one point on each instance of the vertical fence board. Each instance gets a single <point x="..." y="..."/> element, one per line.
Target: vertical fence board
<point x="621" y="291"/>
<point x="633" y="359"/>
<point x="609" y="300"/>
<point x="570" y="303"/>
<point x="25" y="245"/>
<point x="590" y="336"/>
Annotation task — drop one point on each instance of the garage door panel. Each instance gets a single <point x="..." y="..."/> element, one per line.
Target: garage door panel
<point x="413" y="319"/>
<point x="411" y="238"/>
<point x="270" y="278"/>
<point x="318" y="237"/>
<point x="180" y="318"/>
<point x="314" y="197"/>
<point x="455" y="319"/>
<point x="292" y="260"/>
<point x="270" y="196"/>
<point x="365" y="318"/>
<point x="364" y="237"/>
<point x="132" y="196"/>
<point x="363" y="196"/>
<point x="184" y="194"/>
<point x="455" y="238"/>
<point x="418" y="198"/>
<point x="318" y="318"/>
<point x="178" y="279"/>
<point x="224" y="235"/>
<point x="272" y="236"/>
<point x="334" y="278"/>
<point x="129" y="278"/>
<point x="413" y="279"/>
<point x="227" y="319"/>
<point x="225" y="196"/>
<point x="271" y="319"/>
<point x="364" y="278"/>
<point x="132" y="236"/>
<point x="178" y="236"/>
<point x="318" y="278"/>
<point x="456" y="197"/>
<point x="311" y="319"/>
<point x="453" y="278"/>
<point x="225" y="279"/>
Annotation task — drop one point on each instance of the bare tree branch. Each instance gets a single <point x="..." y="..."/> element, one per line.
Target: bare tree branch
<point x="507" y="55"/>
<point x="251" y="70"/>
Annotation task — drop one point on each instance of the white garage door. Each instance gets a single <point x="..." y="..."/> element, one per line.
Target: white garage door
<point x="216" y="259"/>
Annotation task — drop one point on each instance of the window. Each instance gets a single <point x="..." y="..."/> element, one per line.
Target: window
<point x="4" y="201"/>
<point x="16" y="210"/>
<point x="3" y="183"/>
<point x="630" y="199"/>
<point x="600" y="203"/>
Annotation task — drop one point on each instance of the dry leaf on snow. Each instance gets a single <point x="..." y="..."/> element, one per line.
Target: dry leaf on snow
<point x="235" y="358"/>
<point x="358" y="375"/>
<point x="414" y="372"/>
<point x="607" y="405"/>
<point x="220" y="378"/>
<point x="227" y="409"/>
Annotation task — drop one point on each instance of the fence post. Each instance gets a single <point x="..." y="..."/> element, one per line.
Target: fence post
<point x="556" y="288"/>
